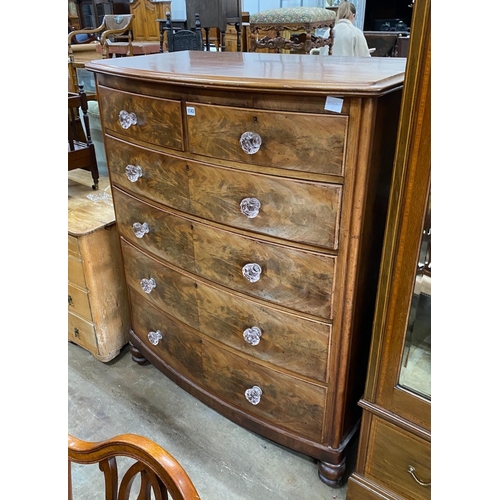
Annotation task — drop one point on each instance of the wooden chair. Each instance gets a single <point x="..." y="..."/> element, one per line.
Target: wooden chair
<point x="81" y="150"/>
<point x="159" y="472"/>
<point x="178" y="40"/>
<point x="111" y="27"/>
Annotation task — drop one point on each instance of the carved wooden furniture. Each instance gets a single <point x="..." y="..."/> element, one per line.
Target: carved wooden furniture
<point x="394" y="455"/>
<point x="98" y="312"/>
<point x="272" y="23"/>
<point x="251" y="222"/>
<point x="156" y="470"/>
<point x="111" y="27"/>
<point x="81" y="150"/>
<point x="178" y="40"/>
<point x="216" y="14"/>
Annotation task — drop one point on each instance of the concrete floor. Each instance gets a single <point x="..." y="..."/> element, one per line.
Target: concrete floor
<point x="224" y="461"/>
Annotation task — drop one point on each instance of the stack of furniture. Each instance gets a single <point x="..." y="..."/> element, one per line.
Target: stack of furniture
<point x="98" y="313"/>
<point x="288" y="29"/>
<point x="251" y="208"/>
<point x="394" y="457"/>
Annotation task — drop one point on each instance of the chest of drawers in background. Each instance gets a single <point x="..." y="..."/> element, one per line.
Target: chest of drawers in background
<point x="251" y="220"/>
<point x="98" y="313"/>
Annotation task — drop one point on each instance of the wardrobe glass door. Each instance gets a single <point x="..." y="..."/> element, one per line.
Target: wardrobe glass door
<point x="415" y="370"/>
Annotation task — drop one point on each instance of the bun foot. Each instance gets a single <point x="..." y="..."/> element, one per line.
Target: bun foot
<point x="332" y="474"/>
<point x="136" y="355"/>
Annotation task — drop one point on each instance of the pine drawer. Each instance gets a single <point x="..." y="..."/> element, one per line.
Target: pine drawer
<point x="78" y="302"/>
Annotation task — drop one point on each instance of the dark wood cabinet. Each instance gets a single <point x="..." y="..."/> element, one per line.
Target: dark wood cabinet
<point x="394" y="456"/>
<point x="92" y="12"/>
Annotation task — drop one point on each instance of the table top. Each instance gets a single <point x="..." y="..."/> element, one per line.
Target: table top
<point x="238" y="70"/>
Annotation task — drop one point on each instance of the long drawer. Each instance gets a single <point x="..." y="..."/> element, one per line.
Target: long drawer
<point x="297" y="141"/>
<point x="284" y="401"/>
<point x="285" y="340"/>
<point x="391" y="451"/>
<point x="152" y="120"/>
<point x="301" y="211"/>
<point x="297" y="279"/>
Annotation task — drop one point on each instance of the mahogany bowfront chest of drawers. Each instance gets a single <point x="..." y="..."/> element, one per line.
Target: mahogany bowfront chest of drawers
<point x="250" y="193"/>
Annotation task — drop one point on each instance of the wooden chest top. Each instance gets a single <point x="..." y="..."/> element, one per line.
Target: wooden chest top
<point x="268" y="72"/>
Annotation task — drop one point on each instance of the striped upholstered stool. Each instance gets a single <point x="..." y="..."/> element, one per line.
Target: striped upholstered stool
<point x="291" y="29"/>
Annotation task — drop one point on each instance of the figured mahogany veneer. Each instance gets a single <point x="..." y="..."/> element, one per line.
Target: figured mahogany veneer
<point x="284" y="355"/>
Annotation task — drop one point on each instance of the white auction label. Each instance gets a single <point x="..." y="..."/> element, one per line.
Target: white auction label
<point x="190" y="111"/>
<point x="334" y="104"/>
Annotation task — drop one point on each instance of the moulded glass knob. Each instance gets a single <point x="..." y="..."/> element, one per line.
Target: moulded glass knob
<point x="155" y="337"/>
<point x="127" y="119"/>
<point x="253" y="394"/>
<point x="252" y="272"/>
<point x="250" y="142"/>
<point x="133" y="172"/>
<point x="140" y="229"/>
<point x="148" y="284"/>
<point x="250" y="207"/>
<point x="252" y="335"/>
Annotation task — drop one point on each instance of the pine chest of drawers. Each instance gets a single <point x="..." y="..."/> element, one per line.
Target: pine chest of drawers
<point x="98" y="313"/>
<point x="250" y="193"/>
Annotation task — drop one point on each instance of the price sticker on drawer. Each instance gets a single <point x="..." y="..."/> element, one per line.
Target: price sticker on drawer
<point x="334" y="104"/>
<point x="190" y="111"/>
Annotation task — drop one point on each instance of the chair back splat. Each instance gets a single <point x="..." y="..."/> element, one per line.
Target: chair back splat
<point x="156" y="469"/>
<point x="184" y="39"/>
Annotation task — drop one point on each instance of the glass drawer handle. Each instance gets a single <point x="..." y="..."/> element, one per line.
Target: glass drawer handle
<point x="127" y="119"/>
<point x="253" y="395"/>
<point x="252" y="272"/>
<point x="250" y="207"/>
<point x="134" y="172"/>
<point x="250" y="142"/>
<point x="155" y="337"/>
<point x="252" y="335"/>
<point x="140" y="229"/>
<point x="412" y="470"/>
<point x="148" y="284"/>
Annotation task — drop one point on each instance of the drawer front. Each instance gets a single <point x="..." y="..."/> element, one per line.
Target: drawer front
<point x="82" y="332"/>
<point x="294" y="141"/>
<point x="73" y="247"/>
<point x="293" y="278"/>
<point x="78" y="302"/>
<point x="157" y="121"/>
<point x="286" y="402"/>
<point x="76" y="274"/>
<point x="301" y="211"/>
<point x="285" y="340"/>
<point x="178" y="347"/>
<point x="390" y="452"/>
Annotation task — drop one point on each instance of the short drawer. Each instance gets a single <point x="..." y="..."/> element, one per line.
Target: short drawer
<point x="73" y="247"/>
<point x="286" y="401"/>
<point x="82" y="332"/>
<point x="294" y="278"/>
<point x="295" y="141"/>
<point x="285" y="340"/>
<point x="391" y="451"/>
<point x="78" y="302"/>
<point x="149" y="119"/>
<point x="301" y="211"/>
<point x="76" y="274"/>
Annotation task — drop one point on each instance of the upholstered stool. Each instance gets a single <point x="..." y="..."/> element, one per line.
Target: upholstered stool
<point x="274" y="22"/>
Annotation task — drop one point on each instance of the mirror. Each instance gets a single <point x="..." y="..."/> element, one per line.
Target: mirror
<point x="415" y="370"/>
